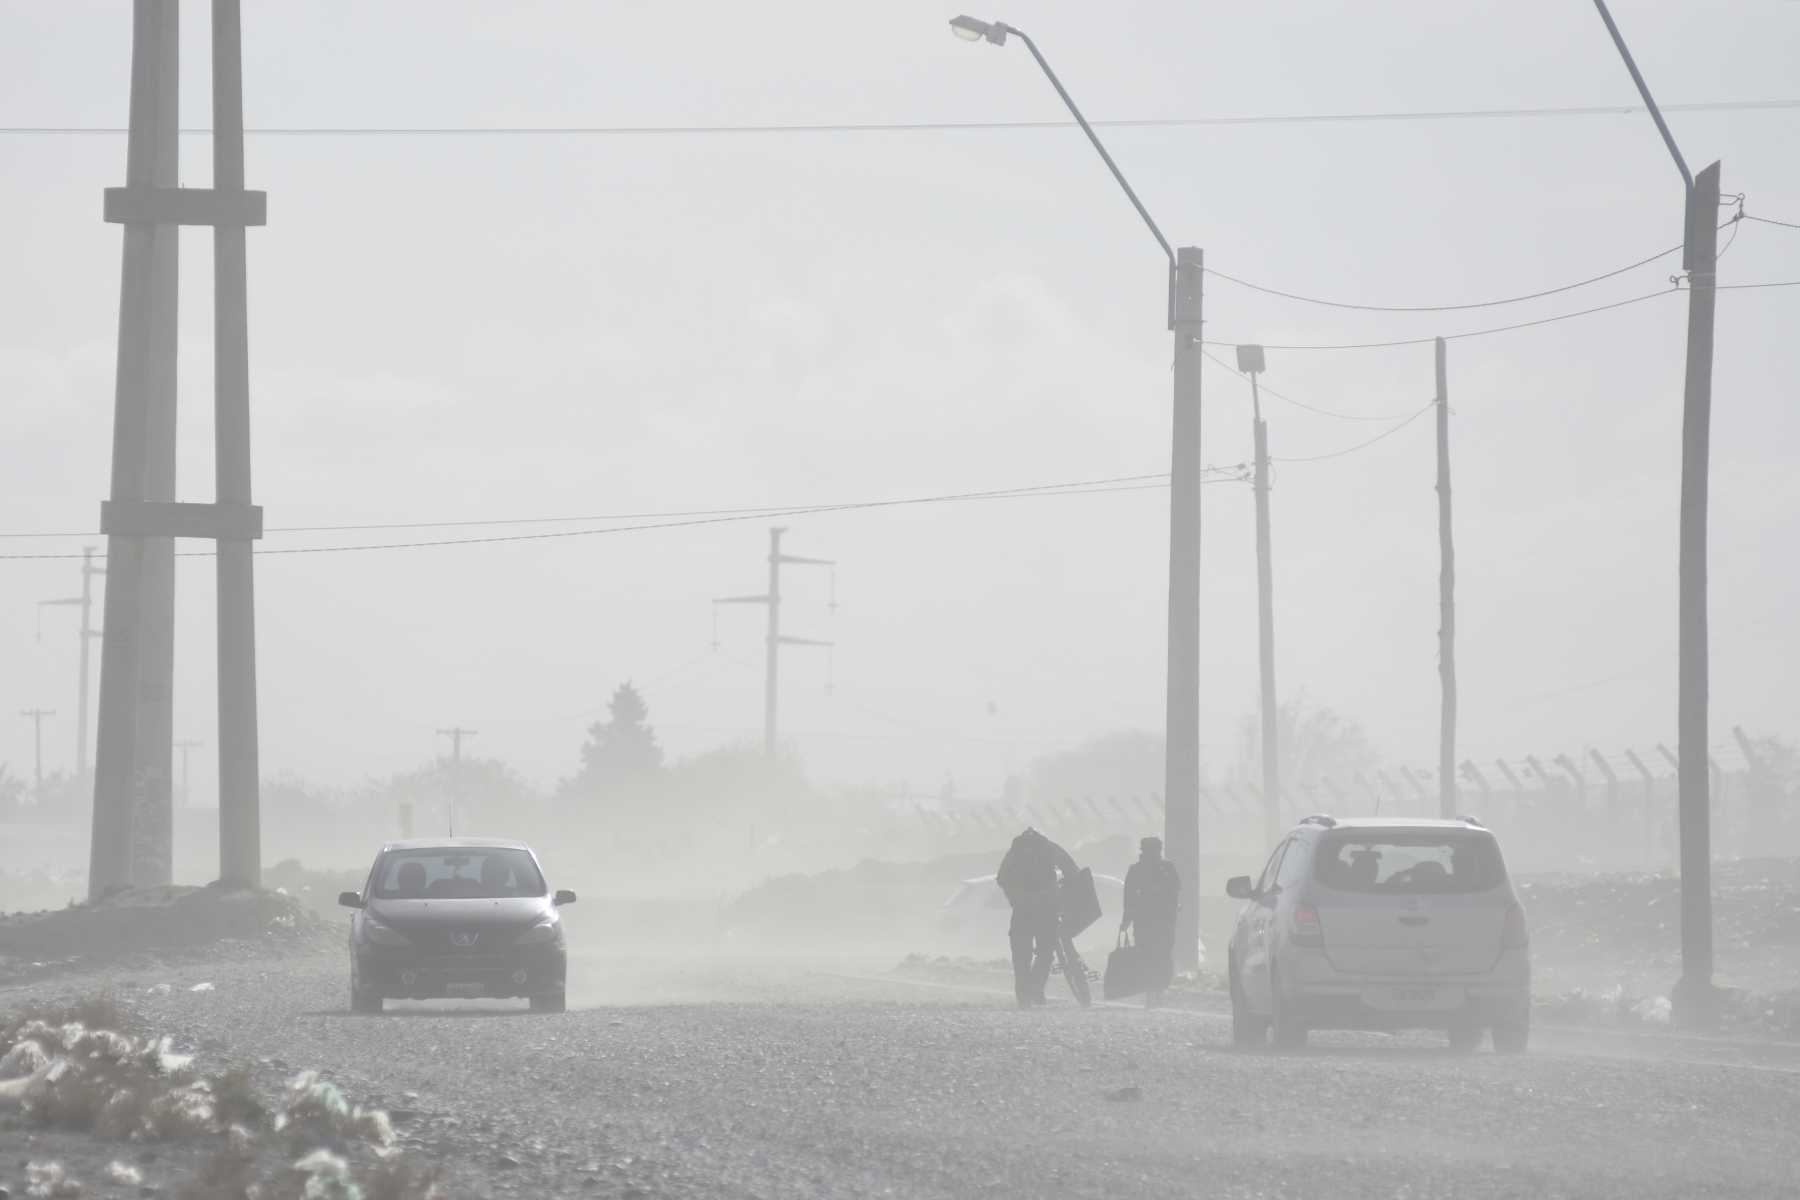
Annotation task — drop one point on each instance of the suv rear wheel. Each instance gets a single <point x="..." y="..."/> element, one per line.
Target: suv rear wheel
<point x="1247" y="1029"/>
<point x="1514" y="1035"/>
<point x="1285" y="1029"/>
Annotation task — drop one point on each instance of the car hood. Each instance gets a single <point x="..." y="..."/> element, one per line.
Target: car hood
<point x="513" y="912"/>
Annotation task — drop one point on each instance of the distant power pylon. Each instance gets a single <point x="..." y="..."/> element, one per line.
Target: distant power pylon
<point x="775" y="639"/>
<point x="36" y="717"/>
<point x="85" y="602"/>
<point x="187" y="793"/>
<point x="456" y="734"/>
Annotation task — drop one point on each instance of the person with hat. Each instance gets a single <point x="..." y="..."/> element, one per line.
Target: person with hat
<point x="1152" y="898"/>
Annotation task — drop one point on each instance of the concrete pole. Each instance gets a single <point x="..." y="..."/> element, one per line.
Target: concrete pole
<point x="456" y="734"/>
<point x="1446" y="601"/>
<point x="1265" y="626"/>
<point x="127" y="665"/>
<point x="1693" y="995"/>
<point x="153" y="822"/>
<point x="1181" y="726"/>
<point x="772" y="650"/>
<point x="240" y="804"/>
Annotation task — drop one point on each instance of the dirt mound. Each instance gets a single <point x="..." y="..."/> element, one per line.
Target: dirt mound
<point x="157" y="920"/>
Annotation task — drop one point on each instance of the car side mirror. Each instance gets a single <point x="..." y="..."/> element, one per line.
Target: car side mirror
<point x="563" y="896"/>
<point x="1239" y="887"/>
<point x="350" y="899"/>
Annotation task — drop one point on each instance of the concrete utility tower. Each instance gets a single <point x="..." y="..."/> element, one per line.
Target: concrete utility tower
<point x="132" y="802"/>
<point x="775" y="639"/>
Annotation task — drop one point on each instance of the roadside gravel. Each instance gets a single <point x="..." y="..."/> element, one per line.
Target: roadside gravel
<point x="777" y="1080"/>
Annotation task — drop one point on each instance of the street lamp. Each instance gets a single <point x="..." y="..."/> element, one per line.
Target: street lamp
<point x="1181" y="780"/>
<point x="1693" y="996"/>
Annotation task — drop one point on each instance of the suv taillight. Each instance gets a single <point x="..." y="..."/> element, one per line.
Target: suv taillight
<point x="1306" y="931"/>
<point x="1513" y="933"/>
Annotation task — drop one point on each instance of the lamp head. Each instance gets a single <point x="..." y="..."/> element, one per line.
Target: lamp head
<point x="971" y="30"/>
<point x="1250" y="359"/>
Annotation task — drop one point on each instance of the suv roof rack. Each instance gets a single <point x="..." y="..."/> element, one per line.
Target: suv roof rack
<point x="1475" y="821"/>
<point x="1324" y="819"/>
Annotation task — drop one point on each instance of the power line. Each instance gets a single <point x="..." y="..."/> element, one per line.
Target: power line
<point x="1418" y="308"/>
<point x="1770" y="221"/>
<point x="439" y="131"/>
<point x="1121" y="483"/>
<point x="1386" y="433"/>
<point x="1324" y="412"/>
<point x="1471" y="333"/>
<point x="664" y="514"/>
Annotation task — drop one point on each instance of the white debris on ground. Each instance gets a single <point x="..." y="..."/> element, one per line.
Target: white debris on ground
<point x="320" y="1105"/>
<point x="201" y="987"/>
<point x="123" y="1174"/>
<point x="327" y="1177"/>
<point x="65" y="1074"/>
<point x="44" y="1180"/>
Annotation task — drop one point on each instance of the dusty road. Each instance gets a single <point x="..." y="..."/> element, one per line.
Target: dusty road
<point x="837" y="1080"/>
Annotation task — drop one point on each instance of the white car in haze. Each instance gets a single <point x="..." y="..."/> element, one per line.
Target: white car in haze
<point x="1381" y="924"/>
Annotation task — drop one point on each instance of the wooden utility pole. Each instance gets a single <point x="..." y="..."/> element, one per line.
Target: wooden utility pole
<point x="1446" y="601"/>
<point x="1250" y="361"/>
<point x="187" y="793"/>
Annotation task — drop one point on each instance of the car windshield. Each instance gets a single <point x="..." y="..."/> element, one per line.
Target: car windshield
<point x="457" y="873"/>
<point x="1409" y="862"/>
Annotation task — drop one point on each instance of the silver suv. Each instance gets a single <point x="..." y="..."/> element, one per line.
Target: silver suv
<point x="1372" y="923"/>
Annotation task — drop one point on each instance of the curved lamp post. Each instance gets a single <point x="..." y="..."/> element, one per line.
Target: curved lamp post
<point x="1181" y="833"/>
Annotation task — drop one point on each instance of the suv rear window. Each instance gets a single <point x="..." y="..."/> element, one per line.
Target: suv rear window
<point x="1403" y="862"/>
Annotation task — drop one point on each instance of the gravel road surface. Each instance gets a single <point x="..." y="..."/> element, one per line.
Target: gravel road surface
<point x="839" y="1079"/>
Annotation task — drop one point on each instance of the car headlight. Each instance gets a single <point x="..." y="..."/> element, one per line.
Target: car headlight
<point x="543" y="933"/>
<point x="375" y="933"/>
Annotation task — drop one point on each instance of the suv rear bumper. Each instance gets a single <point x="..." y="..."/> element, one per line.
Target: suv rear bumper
<point x="1324" y="998"/>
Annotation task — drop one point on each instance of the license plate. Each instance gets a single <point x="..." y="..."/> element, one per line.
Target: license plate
<point x="1413" y="999"/>
<point x="463" y="989"/>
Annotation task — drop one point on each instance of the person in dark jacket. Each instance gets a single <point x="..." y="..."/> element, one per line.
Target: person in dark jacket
<point x="1152" y="898"/>
<point x="1029" y="876"/>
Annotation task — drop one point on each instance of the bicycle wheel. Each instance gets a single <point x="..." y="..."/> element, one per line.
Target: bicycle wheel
<point x="1075" y="971"/>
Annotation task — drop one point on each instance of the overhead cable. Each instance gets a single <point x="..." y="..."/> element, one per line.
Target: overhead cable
<point x="1386" y="433"/>
<point x="1472" y="333"/>
<point x="1419" y="308"/>
<point x="1123" y="483"/>
<point x="1593" y="110"/>
<point x="1324" y="412"/>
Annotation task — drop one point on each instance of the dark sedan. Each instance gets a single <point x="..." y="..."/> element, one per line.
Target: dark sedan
<point x="456" y="917"/>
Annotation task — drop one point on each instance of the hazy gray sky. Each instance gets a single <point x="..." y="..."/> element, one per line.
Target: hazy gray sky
<point x="451" y="328"/>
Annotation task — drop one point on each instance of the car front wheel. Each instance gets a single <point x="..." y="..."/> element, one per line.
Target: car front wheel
<point x="363" y="999"/>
